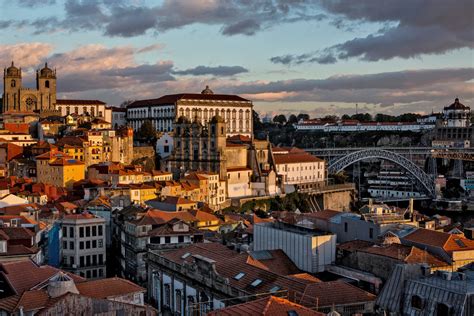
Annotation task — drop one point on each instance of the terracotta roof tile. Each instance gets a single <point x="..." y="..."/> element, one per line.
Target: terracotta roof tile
<point x="325" y="294"/>
<point x="295" y="158"/>
<point x="271" y="306"/>
<point x="78" y="102"/>
<point x="108" y="288"/>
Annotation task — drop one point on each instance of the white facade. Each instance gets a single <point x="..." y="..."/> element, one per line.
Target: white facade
<point x="81" y="107"/>
<point x="364" y="127"/>
<point x="119" y="117"/>
<point x="310" y="250"/>
<point x="164" y="145"/>
<point x="301" y="172"/>
<point x="161" y="116"/>
<point x="83" y="245"/>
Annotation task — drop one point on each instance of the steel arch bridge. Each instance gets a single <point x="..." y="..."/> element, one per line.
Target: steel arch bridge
<point x="426" y="181"/>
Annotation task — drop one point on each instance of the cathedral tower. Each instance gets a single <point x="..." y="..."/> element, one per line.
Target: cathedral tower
<point x="11" y="88"/>
<point x="46" y="86"/>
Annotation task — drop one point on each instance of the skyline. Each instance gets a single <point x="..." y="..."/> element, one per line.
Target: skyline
<point x="315" y="57"/>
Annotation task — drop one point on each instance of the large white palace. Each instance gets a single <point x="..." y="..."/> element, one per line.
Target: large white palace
<point x="164" y="111"/>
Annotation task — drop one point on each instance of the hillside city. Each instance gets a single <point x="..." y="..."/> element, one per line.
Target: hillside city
<point x="193" y="204"/>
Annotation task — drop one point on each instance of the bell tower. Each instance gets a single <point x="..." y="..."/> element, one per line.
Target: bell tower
<point x="46" y="86"/>
<point x="11" y="88"/>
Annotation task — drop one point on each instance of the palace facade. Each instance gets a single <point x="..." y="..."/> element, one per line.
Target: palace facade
<point x="164" y="111"/>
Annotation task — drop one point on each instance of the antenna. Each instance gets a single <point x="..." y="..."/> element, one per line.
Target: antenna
<point x="357" y="108"/>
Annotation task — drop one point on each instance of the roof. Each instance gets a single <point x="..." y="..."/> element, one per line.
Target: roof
<point x="173" y="98"/>
<point x="443" y="240"/>
<point x="295" y="158"/>
<point x="78" y="102"/>
<point x="332" y="293"/>
<point x="273" y="260"/>
<point x="203" y="216"/>
<point x="52" y="154"/>
<point x="354" y="245"/>
<point x="324" y="215"/>
<point x="66" y="162"/>
<point x="457" y="106"/>
<point x="157" y="217"/>
<point x="24" y="275"/>
<point x="14" y="233"/>
<point x="108" y="288"/>
<point x="271" y="306"/>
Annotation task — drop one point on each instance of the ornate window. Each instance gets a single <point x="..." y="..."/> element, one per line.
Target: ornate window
<point x="30" y="103"/>
<point x="13" y="83"/>
<point x="46" y="84"/>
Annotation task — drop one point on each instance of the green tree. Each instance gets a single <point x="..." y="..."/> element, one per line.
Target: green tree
<point x="280" y="119"/>
<point x="303" y="116"/>
<point x="257" y="123"/>
<point x="292" y="119"/>
<point x="147" y="132"/>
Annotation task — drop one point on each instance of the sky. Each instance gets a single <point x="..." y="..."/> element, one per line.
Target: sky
<point x="320" y="57"/>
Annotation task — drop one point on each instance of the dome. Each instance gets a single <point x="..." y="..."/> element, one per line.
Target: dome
<point x="457" y="106"/>
<point x="13" y="71"/>
<point x="207" y="91"/>
<point x="46" y="71"/>
<point x="61" y="284"/>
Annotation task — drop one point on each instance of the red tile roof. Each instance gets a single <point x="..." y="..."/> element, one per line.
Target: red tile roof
<point x="174" y="98"/>
<point x="326" y="294"/>
<point x="408" y="254"/>
<point x="447" y="242"/>
<point x="271" y="306"/>
<point x="295" y="158"/>
<point x="278" y="263"/>
<point x="24" y="275"/>
<point x="108" y="288"/>
<point x="79" y="102"/>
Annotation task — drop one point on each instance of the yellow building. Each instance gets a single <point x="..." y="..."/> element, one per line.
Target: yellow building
<point x="58" y="169"/>
<point x="139" y="193"/>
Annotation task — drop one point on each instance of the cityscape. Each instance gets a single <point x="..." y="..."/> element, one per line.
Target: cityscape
<point x="232" y="157"/>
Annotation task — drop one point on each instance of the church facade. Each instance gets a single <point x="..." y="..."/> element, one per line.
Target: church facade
<point x="17" y="98"/>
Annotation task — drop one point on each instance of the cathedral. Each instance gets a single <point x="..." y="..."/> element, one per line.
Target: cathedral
<point x="17" y="98"/>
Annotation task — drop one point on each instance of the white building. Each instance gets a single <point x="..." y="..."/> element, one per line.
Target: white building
<point x="298" y="167"/>
<point x="94" y="108"/>
<point x="119" y="117"/>
<point x="457" y="115"/>
<point x="164" y="145"/>
<point x="355" y="126"/>
<point x="311" y="250"/>
<point x="83" y="245"/>
<point x="164" y="111"/>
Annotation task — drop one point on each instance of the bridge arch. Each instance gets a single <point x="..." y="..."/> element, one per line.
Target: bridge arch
<point x="423" y="179"/>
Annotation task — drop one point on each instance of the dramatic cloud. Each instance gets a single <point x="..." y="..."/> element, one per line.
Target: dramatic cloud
<point x="34" y="3"/>
<point x="25" y="55"/>
<point x="119" y="18"/>
<point x="223" y="71"/>
<point x="384" y="89"/>
<point x="416" y="27"/>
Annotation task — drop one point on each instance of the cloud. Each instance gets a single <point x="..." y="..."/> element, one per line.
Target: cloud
<point x="413" y="28"/>
<point x="150" y="48"/>
<point x="119" y="18"/>
<point x="223" y="71"/>
<point x="25" y="55"/>
<point x="35" y="3"/>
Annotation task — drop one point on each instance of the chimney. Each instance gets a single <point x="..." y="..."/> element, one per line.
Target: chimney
<point x="425" y="270"/>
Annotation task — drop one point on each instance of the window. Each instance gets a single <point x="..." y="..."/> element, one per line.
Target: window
<point x="88" y="260"/>
<point x="167" y="291"/>
<point x="256" y="282"/>
<point x="100" y="230"/>
<point x="187" y="254"/>
<point x="94" y="273"/>
<point x="442" y="309"/>
<point x="101" y="259"/>
<point x="167" y="239"/>
<point x="81" y="232"/>
<point x="81" y="245"/>
<point x="64" y="244"/>
<point x="345" y="227"/>
<point x="275" y="289"/>
<point x="64" y="231"/>
<point x="88" y="244"/>
<point x="71" y="260"/>
<point x="239" y="276"/>
<point x="416" y="302"/>
<point x="94" y="244"/>
<point x="71" y="245"/>
<point x="94" y="230"/>
<point x="371" y="233"/>
<point x="71" y="232"/>
<point x="180" y="238"/>
<point x="81" y="261"/>
<point x="88" y="274"/>
<point x="46" y="84"/>
<point x="13" y="84"/>
<point x="178" y="301"/>
<point x="101" y="243"/>
<point x="88" y="231"/>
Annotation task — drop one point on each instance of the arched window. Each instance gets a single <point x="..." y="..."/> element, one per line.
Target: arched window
<point x="46" y="84"/>
<point x="13" y="84"/>
<point x="68" y="110"/>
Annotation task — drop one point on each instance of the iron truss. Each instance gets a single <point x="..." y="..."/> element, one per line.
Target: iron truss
<point x="426" y="181"/>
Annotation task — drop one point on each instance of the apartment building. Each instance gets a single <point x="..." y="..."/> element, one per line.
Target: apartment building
<point x="84" y="245"/>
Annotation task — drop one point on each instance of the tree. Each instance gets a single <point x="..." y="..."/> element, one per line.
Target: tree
<point x="384" y="118"/>
<point x="147" y="132"/>
<point x="280" y="119"/>
<point x="345" y="117"/>
<point x="292" y="119"/>
<point x="331" y="118"/>
<point x="125" y="103"/>
<point x="362" y="117"/>
<point x="257" y="123"/>
<point x="302" y="116"/>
